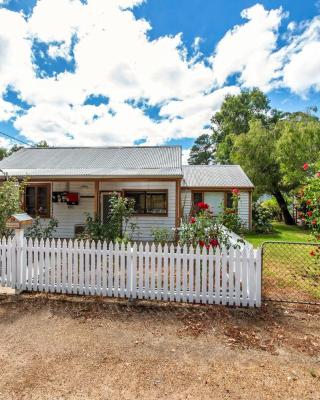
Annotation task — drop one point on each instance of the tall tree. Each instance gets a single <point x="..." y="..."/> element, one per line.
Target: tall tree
<point x="202" y="152"/>
<point x="234" y="118"/>
<point x="42" y="144"/>
<point x="272" y="154"/>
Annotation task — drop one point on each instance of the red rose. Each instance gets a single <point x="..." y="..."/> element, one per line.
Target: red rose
<point x="308" y="202"/>
<point x="305" y="166"/>
<point x="314" y="222"/>
<point x="318" y="174"/>
<point x="309" y="213"/>
<point x="201" y="243"/>
<point x="235" y="191"/>
<point x="214" y="242"/>
<point x="202" y="205"/>
<point x="312" y="253"/>
<point x="192" y="220"/>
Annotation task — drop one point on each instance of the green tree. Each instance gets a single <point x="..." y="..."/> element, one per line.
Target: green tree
<point x="42" y="144"/>
<point x="234" y="119"/>
<point x="268" y="154"/>
<point x="202" y="152"/>
<point x="3" y="153"/>
<point x="10" y="202"/>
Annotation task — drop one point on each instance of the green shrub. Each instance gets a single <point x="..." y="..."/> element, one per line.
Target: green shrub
<point x="261" y="219"/>
<point x="115" y="230"/>
<point x="40" y="230"/>
<point x="273" y="207"/>
<point x="161" y="235"/>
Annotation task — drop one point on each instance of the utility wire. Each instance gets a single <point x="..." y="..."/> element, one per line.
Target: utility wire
<point x="13" y="138"/>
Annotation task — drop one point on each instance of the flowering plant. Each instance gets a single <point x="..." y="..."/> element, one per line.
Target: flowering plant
<point x="230" y="217"/>
<point x="310" y="204"/>
<point x="203" y="230"/>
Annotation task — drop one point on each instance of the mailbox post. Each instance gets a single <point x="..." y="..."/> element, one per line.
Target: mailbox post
<point x="18" y="222"/>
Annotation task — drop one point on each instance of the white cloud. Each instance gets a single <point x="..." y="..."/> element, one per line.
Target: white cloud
<point x="302" y="69"/>
<point x="248" y="49"/>
<point x="114" y="57"/>
<point x="185" y="156"/>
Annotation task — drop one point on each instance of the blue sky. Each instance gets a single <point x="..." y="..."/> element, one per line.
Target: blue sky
<point x="148" y="72"/>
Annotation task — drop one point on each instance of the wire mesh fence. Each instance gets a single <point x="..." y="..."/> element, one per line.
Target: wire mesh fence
<point x="290" y="272"/>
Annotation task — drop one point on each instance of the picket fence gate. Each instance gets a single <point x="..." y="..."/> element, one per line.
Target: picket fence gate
<point x="133" y="271"/>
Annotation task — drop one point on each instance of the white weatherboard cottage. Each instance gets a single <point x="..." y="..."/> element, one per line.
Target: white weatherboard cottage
<point x="67" y="182"/>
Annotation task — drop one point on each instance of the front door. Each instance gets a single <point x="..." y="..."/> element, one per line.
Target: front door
<point x="215" y="201"/>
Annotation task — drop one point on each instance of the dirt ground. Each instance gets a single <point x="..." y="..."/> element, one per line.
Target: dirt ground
<point x="58" y="347"/>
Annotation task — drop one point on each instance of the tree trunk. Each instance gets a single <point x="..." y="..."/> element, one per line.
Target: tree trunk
<point x="284" y="208"/>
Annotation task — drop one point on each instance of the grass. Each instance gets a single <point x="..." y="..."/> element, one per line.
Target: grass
<point x="289" y="272"/>
<point x="281" y="233"/>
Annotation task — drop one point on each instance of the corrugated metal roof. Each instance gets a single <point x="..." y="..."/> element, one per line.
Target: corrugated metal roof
<point x="89" y="161"/>
<point x="214" y="176"/>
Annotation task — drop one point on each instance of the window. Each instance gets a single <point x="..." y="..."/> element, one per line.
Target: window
<point x="229" y="200"/>
<point x="37" y="200"/>
<point x="149" y="202"/>
<point x="197" y="197"/>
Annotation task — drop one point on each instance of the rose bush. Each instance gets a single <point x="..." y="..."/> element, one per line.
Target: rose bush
<point x="310" y="204"/>
<point x="229" y="217"/>
<point x="204" y="230"/>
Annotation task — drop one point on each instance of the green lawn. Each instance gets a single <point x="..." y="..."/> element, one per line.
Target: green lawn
<point x="281" y="233"/>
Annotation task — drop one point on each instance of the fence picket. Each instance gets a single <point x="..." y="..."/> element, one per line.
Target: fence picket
<point x="172" y="272"/>
<point x="98" y="270"/>
<point x="147" y="270"/>
<point x="217" y="266"/>
<point x="75" y="267"/>
<point x="3" y="261"/>
<point x="210" y="281"/>
<point x="197" y="275"/>
<point x="52" y="274"/>
<point x="178" y="273"/>
<point x="231" y="276"/>
<point x="81" y="267"/>
<point x="159" y="271"/>
<point x="58" y="269"/>
<point x="184" y="273"/>
<point x="244" y="277"/>
<point x="93" y="268"/>
<point x="224" y="278"/>
<point x="87" y="268"/>
<point x="30" y="264"/>
<point x="107" y="269"/>
<point x="36" y="265"/>
<point x="133" y="288"/>
<point x="191" y="275"/>
<point x="237" y="277"/>
<point x="141" y="271"/>
<point x="204" y="272"/>
<point x="152" y="271"/>
<point x="47" y="264"/>
<point x="165" y="272"/>
<point x="41" y="264"/>
<point x="116" y="270"/>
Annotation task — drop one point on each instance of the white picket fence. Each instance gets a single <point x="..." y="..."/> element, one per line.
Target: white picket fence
<point x="138" y="271"/>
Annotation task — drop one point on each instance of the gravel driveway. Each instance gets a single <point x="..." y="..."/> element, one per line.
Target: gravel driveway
<point x="58" y="347"/>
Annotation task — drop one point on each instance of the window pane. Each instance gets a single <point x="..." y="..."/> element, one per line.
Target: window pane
<point x="42" y="201"/>
<point x="229" y="200"/>
<point x="30" y="200"/>
<point x="156" y="203"/>
<point x="197" y="198"/>
<point x="139" y="201"/>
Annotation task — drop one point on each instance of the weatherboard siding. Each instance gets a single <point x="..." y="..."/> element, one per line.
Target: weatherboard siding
<point x="69" y="216"/>
<point x="146" y="223"/>
<point x="243" y="207"/>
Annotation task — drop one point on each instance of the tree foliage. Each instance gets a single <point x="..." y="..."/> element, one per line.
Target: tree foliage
<point x="202" y="152"/>
<point x="10" y="202"/>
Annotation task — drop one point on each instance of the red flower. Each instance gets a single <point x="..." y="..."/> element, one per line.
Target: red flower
<point x="314" y="222"/>
<point x="193" y="220"/>
<point x="305" y="166"/>
<point x="214" y="242"/>
<point x="235" y="191"/>
<point x="308" y="202"/>
<point x="312" y="253"/>
<point x="201" y="243"/>
<point x="202" y="205"/>
<point x="318" y="174"/>
<point x="309" y="213"/>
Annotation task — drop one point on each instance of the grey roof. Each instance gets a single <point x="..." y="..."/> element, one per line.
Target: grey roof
<point x="215" y="176"/>
<point x="95" y="161"/>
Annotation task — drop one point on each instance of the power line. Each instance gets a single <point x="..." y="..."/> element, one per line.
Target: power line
<point x="13" y="138"/>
